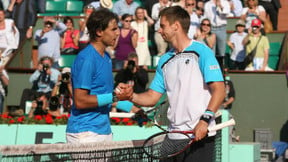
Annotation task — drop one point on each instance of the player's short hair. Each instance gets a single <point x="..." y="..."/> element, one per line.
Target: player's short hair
<point x="177" y="13"/>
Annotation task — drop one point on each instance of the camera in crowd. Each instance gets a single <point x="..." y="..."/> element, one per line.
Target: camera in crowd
<point x="45" y="68"/>
<point x="45" y="78"/>
<point x="54" y="103"/>
<point x="65" y="77"/>
<point x="131" y="65"/>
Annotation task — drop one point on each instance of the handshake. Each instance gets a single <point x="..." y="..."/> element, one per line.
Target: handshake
<point x="124" y="91"/>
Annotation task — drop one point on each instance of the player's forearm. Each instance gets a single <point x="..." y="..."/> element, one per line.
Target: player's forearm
<point x="148" y="98"/>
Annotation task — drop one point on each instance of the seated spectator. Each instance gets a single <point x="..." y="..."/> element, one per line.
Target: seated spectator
<point x="4" y="81"/>
<point x="125" y="43"/>
<point x="48" y="39"/>
<point x="252" y="11"/>
<point x="141" y="25"/>
<point x="133" y="74"/>
<point x="84" y="36"/>
<point x="43" y="80"/>
<point x="9" y="37"/>
<point x="255" y="39"/>
<point x="61" y="96"/>
<point x="70" y="39"/>
<point x="205" y="35"/>
<point x="235" y="43"/>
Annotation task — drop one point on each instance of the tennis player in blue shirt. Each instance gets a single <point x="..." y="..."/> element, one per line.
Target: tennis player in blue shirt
<point x="92" y="82"/>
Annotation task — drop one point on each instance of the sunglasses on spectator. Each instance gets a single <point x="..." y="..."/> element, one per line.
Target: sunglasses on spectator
<point x="47" y="26"/>
<point x="190" y="4"/>
<point x="204" y="24"/>
<point x="128" y="20"/>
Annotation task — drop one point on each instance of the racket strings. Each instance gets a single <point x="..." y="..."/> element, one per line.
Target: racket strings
<point x="163" y="146"/>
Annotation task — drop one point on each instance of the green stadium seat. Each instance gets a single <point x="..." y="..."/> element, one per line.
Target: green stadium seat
<point x="275" y="48"/>
<point x="66" y="60"/>
<point x="274" y="53"/>
<point x="74" y="6"/>
<point x="55" y="6"/>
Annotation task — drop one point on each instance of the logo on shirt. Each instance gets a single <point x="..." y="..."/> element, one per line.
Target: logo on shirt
<point x="214" y="67"/>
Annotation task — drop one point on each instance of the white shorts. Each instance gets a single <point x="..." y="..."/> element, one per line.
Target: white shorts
<point x="87" y="137"/>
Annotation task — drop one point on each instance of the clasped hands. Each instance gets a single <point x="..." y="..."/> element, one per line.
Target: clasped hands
<point x="124" y="91"/>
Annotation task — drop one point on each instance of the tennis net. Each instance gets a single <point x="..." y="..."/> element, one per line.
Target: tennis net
<point x="101" y="151"/>
<point x="114" y="151"/>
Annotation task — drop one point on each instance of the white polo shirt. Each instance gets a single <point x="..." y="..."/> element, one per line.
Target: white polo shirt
<point x="184" y="77"/>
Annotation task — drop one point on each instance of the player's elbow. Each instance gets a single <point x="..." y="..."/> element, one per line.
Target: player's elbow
<point x="79" y="104"/>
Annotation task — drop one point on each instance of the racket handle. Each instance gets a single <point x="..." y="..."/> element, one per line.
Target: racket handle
<point x="228" y="123"/>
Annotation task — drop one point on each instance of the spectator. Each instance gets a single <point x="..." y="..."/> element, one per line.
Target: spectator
<point x="133" y="74"/>
<point x="61" y="96"/>
<point x="260" y="61"/>
<point x="9" y="37"/>
<point x="236" y="8"/>
<point x="141" y="25"/>
<point x="48" y="39"/>
<point x="230" y="94"/>
<point x="157" y="7"/>
<point x="200" y="9"/>
<point x="216" y="11"/>
<point x="40" y="106"/>
<point x="252" y="11"/>
<point x="70" y="39"/>
<point x="43" y="80"/>
<point x="4" y="81"/>
<point x="84" y="36"/>
<point x="194" y="19"/>
<point x="181" y="3"/>
<point x="23" y="12"/>
<point x="272" y="9"/>
<point x="126" y="42"/>
<point x="102" y="4"/>
<point x="205" y="35"/>
<point x="148" y="6"/>
<point x="122" y="7"/>
<point x="235" y="43"/>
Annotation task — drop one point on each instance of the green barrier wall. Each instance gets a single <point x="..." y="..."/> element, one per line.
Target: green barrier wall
<point x="35" y="134"/>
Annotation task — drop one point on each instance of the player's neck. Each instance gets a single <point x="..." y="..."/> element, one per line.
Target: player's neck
<point x="181" y="44"/>
<point x="99" y="47"/>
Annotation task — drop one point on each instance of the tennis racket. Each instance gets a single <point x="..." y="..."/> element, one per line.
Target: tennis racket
<point x="167" y="144"/>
